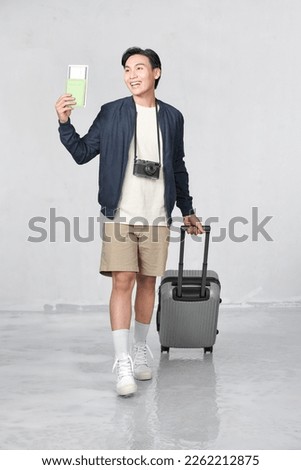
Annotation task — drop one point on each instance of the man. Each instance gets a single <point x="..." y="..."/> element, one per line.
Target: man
<point x="142" y="175"/>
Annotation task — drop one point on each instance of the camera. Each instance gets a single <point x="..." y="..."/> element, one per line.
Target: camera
<point x="146" y="169"/>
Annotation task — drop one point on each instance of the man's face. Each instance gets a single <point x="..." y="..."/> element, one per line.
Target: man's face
<point x="139" y="75"/>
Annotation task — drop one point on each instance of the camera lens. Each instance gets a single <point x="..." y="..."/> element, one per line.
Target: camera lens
<point x="150" y="169"/>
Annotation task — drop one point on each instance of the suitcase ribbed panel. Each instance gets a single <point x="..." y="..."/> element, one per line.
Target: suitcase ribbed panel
<point x="186" y="324"/>
<point x="189" y="273"/>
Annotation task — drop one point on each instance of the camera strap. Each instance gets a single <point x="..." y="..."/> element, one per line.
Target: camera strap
<point x="158" y="136"/>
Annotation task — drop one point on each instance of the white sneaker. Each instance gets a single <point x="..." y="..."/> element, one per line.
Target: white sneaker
<point x="126" y="384"/>
<point x="142" y="370"/>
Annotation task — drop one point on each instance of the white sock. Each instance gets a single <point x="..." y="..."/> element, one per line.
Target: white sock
<point x="141" y="331"/>
<point x="121" y="342"/>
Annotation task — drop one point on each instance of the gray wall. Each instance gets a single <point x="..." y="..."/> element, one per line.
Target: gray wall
<point x="231" y="66"/>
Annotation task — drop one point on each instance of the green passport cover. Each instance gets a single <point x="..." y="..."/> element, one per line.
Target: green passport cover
<point x="77" y="88"/>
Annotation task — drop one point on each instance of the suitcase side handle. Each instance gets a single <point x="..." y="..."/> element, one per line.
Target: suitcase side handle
<point x="207" y="230"/>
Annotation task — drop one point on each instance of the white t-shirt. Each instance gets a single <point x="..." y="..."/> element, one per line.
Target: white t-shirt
<point x="142" y="199"/>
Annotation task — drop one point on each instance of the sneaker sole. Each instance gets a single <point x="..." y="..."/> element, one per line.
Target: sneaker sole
<point x="143" y="376"/>
<point x="127" y="390"/>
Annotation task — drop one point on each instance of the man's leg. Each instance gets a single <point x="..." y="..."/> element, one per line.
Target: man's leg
<point x="120" y="315"/>
<point x="121" y="299"/>
<point x="145" y="298"/>
<point x="144" y="306"/>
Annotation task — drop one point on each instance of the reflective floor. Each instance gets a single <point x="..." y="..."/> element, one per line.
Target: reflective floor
<point x="57" y="390"/>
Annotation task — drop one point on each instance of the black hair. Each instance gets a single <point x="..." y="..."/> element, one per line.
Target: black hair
<point x="149" y="53"/>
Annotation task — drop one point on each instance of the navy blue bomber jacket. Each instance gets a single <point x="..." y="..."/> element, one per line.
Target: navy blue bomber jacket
<point x="110" y="136"/>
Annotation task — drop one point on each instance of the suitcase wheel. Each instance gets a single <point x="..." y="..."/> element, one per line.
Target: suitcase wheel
<point x="208" y="349"/>
<point x="164" y="349"/>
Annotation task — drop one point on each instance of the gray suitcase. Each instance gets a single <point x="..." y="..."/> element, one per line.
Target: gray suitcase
<point x="188" y="304"/>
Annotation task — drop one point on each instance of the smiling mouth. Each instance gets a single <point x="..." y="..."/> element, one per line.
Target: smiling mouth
<point x="134" y="84"/>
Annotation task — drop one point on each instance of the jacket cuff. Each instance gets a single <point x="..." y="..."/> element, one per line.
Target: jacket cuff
<point x="64" y="123"/>
<point x="187" y="212"/>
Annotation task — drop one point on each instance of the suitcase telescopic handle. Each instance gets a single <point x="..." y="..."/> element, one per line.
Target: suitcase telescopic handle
<point x="207" y="229"/>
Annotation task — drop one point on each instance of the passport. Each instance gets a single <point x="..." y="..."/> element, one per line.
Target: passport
<point x="77" y="83"/>
<point x="77" y="88"/>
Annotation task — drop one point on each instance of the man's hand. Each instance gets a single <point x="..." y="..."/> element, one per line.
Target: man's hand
<point x="194" y="224"/>
<point x="64" y="107"/>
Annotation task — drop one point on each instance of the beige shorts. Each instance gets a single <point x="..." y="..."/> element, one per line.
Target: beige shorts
<point x="136" y="248"/>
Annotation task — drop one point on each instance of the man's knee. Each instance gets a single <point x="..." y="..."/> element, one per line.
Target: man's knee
<point x="123" y="281"/>
<point x="146" y="282"/>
